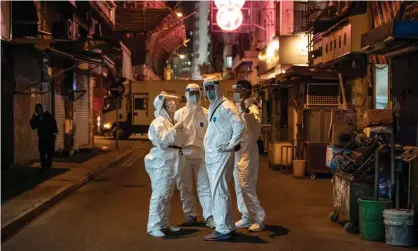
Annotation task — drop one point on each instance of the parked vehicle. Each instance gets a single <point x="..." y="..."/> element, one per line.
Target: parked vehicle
<point x="135" y="106"/>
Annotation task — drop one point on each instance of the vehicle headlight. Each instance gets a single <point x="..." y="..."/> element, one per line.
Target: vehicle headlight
<point x="107" y="125"/>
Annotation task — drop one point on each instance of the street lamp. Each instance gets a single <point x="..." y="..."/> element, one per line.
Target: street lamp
<point x="179" y="14"/>
<point x="182" y="56"/>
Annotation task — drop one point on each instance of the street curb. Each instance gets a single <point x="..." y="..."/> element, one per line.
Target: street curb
<point x="42" y="206"/>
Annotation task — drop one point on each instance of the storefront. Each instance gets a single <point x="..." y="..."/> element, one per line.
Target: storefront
<point x="307" y="97"/>
<point x="72" y="89"/>
<point x="281" y="53"/>
<point x="395" y="43"/>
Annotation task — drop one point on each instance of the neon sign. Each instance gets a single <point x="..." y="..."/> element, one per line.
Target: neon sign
<point x="229" y="16"/>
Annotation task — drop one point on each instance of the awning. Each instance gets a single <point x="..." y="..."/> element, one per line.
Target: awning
<point x="139" y="19"/>
<point x="390" y="37"/>
<point x="73" y="50"/>
<point x="301" y="73"/>
<point x="396" y="34"/>
<point x="117" y="52"/>
<point x="351" y="66"/>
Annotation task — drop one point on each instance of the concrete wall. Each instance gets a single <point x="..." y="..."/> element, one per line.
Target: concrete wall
<point x="286" y="17"/>
<point x="27" y="70"/>
<point x="7" y="87"/>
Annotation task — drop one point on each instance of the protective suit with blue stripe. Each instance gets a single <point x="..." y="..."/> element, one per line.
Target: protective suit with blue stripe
<point x="221" y="140"/>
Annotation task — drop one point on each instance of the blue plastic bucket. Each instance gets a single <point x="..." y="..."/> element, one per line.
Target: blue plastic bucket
<point x="330" y="156"/>
<point x="399" y="227"/>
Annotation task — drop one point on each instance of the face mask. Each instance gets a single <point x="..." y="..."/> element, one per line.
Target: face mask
<point x="211" y="95"/>
<point x="194" y="99"/>
<point x="171" y="106"/>
<point x="237" y="97"/>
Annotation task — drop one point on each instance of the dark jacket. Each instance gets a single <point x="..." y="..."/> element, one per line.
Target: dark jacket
<point x="46" y="127"/>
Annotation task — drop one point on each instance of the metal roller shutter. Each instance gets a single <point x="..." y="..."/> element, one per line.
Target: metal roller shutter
<point x="60" y="118"/>
<point x="81" y="111"/>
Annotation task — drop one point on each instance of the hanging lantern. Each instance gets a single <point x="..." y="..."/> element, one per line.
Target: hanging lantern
<point x="229" y="16"/>
<point x="229" y="19"/>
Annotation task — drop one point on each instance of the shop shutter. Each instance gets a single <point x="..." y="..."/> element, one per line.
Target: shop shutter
<point x="81" y="111"/>
<point x="60" y="118"/>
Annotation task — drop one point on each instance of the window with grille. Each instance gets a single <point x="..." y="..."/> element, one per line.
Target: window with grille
<point x="322" y="95"/>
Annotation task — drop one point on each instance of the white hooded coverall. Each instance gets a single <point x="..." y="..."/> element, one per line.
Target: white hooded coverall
<point x="161" y="165"/>
<point x="195" y="123"/>
<point x="223" y="134"/>
<point x="247" y="163"/>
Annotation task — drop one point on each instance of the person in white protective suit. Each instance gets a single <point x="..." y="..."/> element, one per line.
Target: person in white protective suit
<point x="162" y="163"/>
<point x="242" y="208"/>
<point x="221" y="140"/>
<point x="195" y="123"/>
<point x="247" y="160"/>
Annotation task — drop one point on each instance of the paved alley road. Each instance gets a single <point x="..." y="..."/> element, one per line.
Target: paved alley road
<point x="111" y="213"/>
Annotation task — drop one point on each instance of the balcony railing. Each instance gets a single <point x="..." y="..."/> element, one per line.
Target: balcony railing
<point x="106" y="8"/>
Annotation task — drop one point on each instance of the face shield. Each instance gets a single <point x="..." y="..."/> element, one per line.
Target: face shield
<point x="211" y="89"/>
<point x="236" y="94"/>
<point x="171" y="103"/>
<point x="165" y="102"/>
<point x="193" y="94"/>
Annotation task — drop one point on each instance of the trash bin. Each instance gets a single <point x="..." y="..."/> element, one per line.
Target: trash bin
<point x="371" y="218"/>
<point x="299" y="168"/>
<point x="399" y="227"/>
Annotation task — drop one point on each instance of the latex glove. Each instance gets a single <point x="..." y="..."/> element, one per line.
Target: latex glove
<point x="225" y="148"/>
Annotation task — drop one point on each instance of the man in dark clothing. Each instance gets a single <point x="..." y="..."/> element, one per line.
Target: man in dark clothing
<point x="47" y="129"/>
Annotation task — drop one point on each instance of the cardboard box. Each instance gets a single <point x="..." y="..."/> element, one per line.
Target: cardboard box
<point x="375" y="117"/>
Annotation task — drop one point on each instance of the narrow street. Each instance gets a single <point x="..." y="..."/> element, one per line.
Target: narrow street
<point x="111" y="212"/>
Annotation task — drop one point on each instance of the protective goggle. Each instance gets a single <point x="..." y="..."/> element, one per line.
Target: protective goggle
<point x="240" y="88"/>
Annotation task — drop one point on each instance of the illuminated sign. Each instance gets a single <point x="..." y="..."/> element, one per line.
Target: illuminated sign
<point x="229" y="16"/>
<point x="284" y="50"/>
<point x="229" y="19"/>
